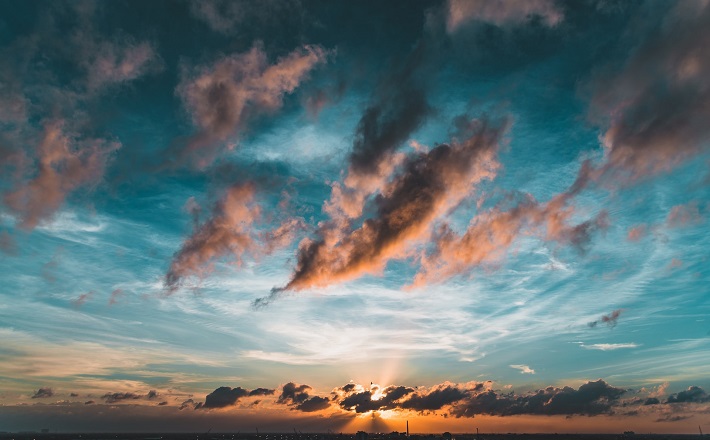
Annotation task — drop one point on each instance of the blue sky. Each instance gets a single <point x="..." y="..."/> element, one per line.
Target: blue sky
<point x="477" y="201"/>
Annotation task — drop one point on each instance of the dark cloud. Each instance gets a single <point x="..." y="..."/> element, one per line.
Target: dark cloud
<point x="592" y="398"/>
<point x="651" y="401"/>
<point x="397" y="109"/>
<point x="43" y="393"/>
<point x="152" y="394"/>
<point x="119" y="397"/>
<point x="315" y="403"/>
<point x="427" y="186"/>
<point x="261" y="392"/>
<point x="189" y="403"/>
<point x="692" y="394"/>
<point x="611" y="319"/>
<point x="434" y="399"/>
<point x="73" y="395"/>
<point x="292" y="393"/>
<point x="658" y="105"/>
<point x="224" y="396"/>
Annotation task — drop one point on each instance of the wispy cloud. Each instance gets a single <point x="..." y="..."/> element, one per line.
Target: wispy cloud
<point x="524" y="369"/>
<point x="609" y="346"/>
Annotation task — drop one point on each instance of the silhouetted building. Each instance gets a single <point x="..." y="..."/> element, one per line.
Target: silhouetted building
<point x="361" y="435"/>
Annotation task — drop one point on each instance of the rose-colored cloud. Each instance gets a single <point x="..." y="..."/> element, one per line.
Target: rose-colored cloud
<point x="491" y="233"/>
<point x="501" y="12"/>
<point x="684" y="215"/>
<point x="224" y="97"/>
<point x="636" y="233"/>
<point x="230" y="231"/>
<point x="64" y="164"/>
<point x="110" y="63"/>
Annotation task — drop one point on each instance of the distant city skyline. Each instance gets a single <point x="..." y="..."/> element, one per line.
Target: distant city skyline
<point x="318" y="215"/>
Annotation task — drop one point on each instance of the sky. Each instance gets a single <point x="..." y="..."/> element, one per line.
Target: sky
<point x="343" y="216"/>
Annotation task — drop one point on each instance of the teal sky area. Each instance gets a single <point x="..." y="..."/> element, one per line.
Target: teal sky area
<point x="344" y="215"/>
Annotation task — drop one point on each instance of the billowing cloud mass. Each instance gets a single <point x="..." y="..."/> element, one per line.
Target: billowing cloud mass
<point x="592" y="398"/>
<point x="501" y="12"/>
<point x="427" y="186"/>
<point x="659" y="104"/>
<point x="224" y="396"/>
<point x="298" y="398"/>
<point x="692" y="394"/>
<point x="64" y="163"/>
<point x="224" y="97"/>
<point x="459" y="400"/>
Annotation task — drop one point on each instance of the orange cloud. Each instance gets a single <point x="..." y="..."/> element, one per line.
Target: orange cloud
<point x="428" y="186"/>
<point x="230" y="231"/>
<point x="490" y="234"/>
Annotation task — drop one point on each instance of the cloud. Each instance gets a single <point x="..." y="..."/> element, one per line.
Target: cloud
<point x="292" y="393"/>
<point x="43" y="393"/>
<point x="491" y="233"/>
<point x="636" y="233"/>
<point x="261" y="392"/>
<point x="524" y="369"/>
<point x="224" y="396"/>
<point x="693" y="394"/>
<point x="434" y="399"/>
<point x="314" y="403"/>
<point x="592" y="398"/>
<point x="64" y="164"/>
<point x="397" y="108"/>
<point x="119" y="397"/>
<point x="501" y="12"/>
<point x="609" y="347"/>
<point x="224" y="97"/>
<point x="82" y="299"/>
<point x="657" y="106"/>
<point x="7" y="243"/>
<point x="684" y="215"/>
<point x="611" y="319"/>
<point x="115" y="295"/>
<point x="111" y="63"/>
<point x="227" y="232"/>
<point x="230" y="231"/>
<point x="426" y="187"/>
<point x="231" y="16"/>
